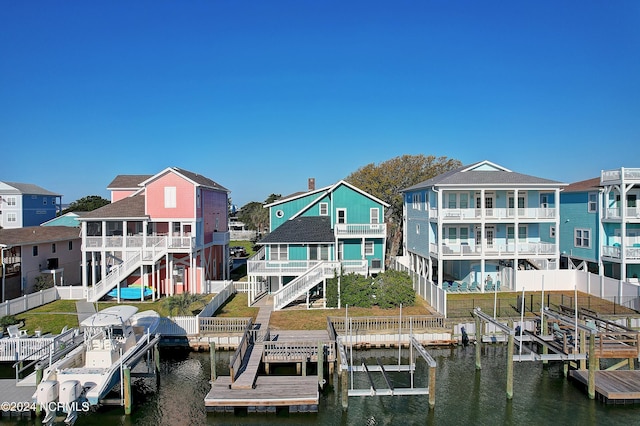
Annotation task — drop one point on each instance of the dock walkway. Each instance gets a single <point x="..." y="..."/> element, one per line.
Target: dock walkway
<point x="266" y="393"/>
<point x="613" y="387"/>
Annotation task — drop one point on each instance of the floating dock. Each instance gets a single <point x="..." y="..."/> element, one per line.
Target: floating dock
<point x="613" y="387"/>
<point x="298" y="394"/>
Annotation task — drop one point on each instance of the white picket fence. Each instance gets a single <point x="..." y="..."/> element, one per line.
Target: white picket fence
<point x="190" y="325"/>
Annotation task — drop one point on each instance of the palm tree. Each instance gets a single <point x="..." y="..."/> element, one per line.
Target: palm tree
<point x="182" y="303"/>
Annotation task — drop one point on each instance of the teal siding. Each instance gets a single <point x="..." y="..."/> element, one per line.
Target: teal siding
<point x="574" y="215"/>
<point x="289" y="209"/>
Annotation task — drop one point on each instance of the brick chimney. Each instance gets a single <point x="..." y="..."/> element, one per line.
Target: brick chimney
<point x="312" y="184"/>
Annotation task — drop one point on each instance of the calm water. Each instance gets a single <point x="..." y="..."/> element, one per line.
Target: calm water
<point x="463" y="397"/>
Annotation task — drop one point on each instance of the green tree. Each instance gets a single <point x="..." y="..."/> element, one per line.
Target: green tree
<point x="387" y="179"/>
<point x="86" y="204"/>
<point x="254" y="215"/>
<point x="394" y="288"/>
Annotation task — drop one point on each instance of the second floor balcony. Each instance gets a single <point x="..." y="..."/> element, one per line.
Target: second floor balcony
<point x="346" y="230"/>
<point x="631" y="252"/>
<point x="499" y="214"/>
<point x="472" y="250"/>
<point x="615" y="213"/>
<point x="117" y="242"/>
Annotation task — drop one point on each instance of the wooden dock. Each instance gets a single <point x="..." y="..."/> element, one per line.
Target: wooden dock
<point x="19" y="396"/>
<point x="613" y="387"/>
<point x="298" y="394"/>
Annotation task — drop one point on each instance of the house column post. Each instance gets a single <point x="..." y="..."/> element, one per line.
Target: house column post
<point x="124" y="236"/>
<point x="623" y="226"/>
<point x="439" y="240"/>
<point x="557" y="225"/>
<point x="83" y="248"/>
<point x="516" y="233"/>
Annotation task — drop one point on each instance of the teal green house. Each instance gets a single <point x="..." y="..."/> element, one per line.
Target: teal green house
<point x="600" y="226"/>
<point x="313" y="236"/>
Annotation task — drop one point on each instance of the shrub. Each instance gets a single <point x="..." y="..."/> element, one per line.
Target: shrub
<point x="43" y="282"/>
<point x="357" y="290"/>
<point x="8" y="320"/>
<point x="393" y="288"/>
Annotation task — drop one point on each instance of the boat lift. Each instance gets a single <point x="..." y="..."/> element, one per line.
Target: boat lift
<point x="347" y="369"/>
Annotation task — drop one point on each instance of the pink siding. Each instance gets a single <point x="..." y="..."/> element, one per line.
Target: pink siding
<point x="119" y="195"/>
<point x="184" y="197"/>
<point x="214" y="213"/>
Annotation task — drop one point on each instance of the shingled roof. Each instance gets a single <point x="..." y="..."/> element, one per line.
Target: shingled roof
<point x="127" y="181"/>
<point x="29" y="189"/>
<point x="127" y="208"/>
<point x="467" y="176"/>
<point x="37" y="235"/>
<point x="316" y="229"/>
<point x="199" y="179"/>
<point x="584" y="185"/>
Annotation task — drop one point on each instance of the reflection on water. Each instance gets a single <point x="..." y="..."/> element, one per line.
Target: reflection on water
<point x="463" y="396"/>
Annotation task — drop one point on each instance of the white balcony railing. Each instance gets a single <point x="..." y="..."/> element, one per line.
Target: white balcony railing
<point x="473" y="250"/>
<point x="615" y="175"/>
<point x="360" y="229"/>
<point x="138" y="241"/>
<point x="616" y="213"/>
<point x="632" y="252"/>
<point x="539" y="213"/>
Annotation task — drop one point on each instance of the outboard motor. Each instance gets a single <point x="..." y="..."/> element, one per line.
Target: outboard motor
<point x="465" y="337"/>
<point x="46" y="394"/>
<point x="70" y="392"/>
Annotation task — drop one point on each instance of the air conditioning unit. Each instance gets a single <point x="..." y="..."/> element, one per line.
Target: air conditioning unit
<point x="376" y="264"/>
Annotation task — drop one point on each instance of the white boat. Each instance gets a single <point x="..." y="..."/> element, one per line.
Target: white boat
<point x="112" y="338"/>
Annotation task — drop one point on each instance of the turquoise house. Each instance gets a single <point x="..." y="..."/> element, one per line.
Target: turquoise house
<point x="600" y="227"/>
<point x="471" y="228"/>
<point x="313" y="236"/>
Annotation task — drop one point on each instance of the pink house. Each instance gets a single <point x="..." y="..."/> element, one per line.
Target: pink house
<point x="166" y="231"/>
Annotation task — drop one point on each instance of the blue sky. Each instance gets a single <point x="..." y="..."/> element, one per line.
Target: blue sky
<point x="262" y="95"/>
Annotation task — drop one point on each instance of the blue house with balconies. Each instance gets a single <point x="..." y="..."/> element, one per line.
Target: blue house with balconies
<point x="316" y="235"/>
<point x="600" y="224"/>
<point x="469" y="229"/>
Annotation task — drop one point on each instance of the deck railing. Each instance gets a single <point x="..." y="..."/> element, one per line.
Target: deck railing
<point x="538" y="213"/>
<point x="523" y="248"/>
<point x="388" y="324"/>
<point x="296" y="351"/>
<point x="236" y="361"/>
<point x="213" y="325"/>
<point x="360" y="229"/>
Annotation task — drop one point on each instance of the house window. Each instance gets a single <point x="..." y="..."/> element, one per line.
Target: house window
<point x="279" y="213"/>
<point x="464" y="234"/>
<point x="374" y="214"/>
<point x="11" y="201"/>
<point x="552" y="232"/>
<point x="44" y="201"/>
<point x="453" y="235"/>
<point x="593" y="202"/>
<point x="544" y="201"/>
<point x="631" y="200"/>
<point x="279" y="252"/>
<point x="11" y="217"/>
<point x="198" y="198"/>
<point x="582" y="238"/>
<point x="522" y="233"/>
<point x="368" y="248"/>
<point x="169" y="197"/>
<point x="35" y="250"/>
<point x="416" y="201"/>
<point x="53" y="248"/>
<point x="453" y="200"/>
<point x="342" y="215"/>
<point x="464" y="201"/>
<point x="324" y="209"/>
<point x="70" y="245"/>
<point x="340" y="250"/>
<point x="318" y="252"/>
<point x="418" y="228"/>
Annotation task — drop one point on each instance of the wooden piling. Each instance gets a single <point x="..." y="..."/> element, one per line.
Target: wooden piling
<point x="212" y="358"/>
<point x="593" y="367"/>
<point x="344" y="387"/>
<point x="156" y="360"/>
<point x="321" y="365"/>
<point x="303" y="367"/>
<point x="478" y="342"/>
<point x="510" y="366"/>
<point x="127" y="390"/>
<point x="38" y="380"/>
<point x="545" y="350"/>
<point x="432" y="387"/>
